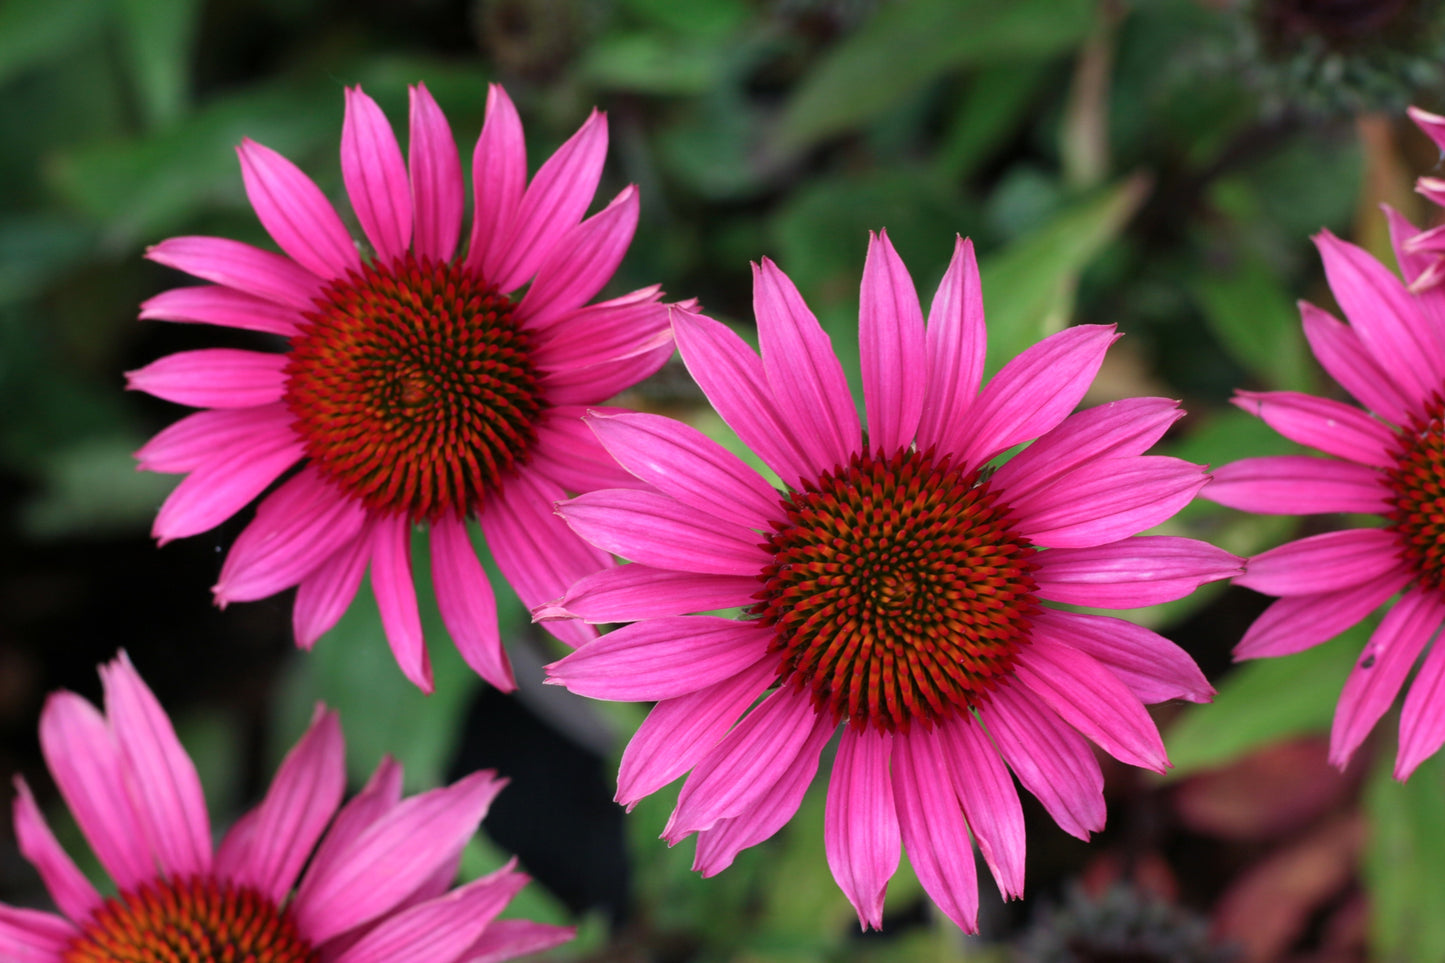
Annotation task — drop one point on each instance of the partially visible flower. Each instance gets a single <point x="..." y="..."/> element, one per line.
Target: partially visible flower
<point x="896" y="587"/>
<point x="1430" y="245"/>
<point x="377" y="886"/>
<point x="415" y="388"/>
<point x="1389" y="461"/>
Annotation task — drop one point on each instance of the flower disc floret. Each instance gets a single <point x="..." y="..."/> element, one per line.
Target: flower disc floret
<point x="897" y="589"/>
<point x="196" y="920"/>
<point x="1417" y="481"/>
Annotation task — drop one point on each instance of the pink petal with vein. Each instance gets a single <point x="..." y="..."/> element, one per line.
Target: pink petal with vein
<point x="581" y="261"/>
<point x="635" y="323"/>
<point x="860" y="823"/>
<point x="1298" y="485"/>
<point x="295" y="213"/>
<point x="213" y="378"/>
<point x="508" y="939"/>
<point x="1107" y="499"/>
<point x="468" y="606"/>
<point x="956" y="344"/>
<point x="225" y="484"/>
<point x="1381" y="669"/>
<point x="1324" y="563"/>
<point x="439" y="929"/>
<point x="629" y="593"/>
<point x="597" y="383"/>
<point x="1432" y="124"/>
<point x="1152" y="667"/>
<point x="660" y="659"/>
<point x="932" y="826"/>
<point x="30" y="936"/>
<point x="567" y="453"/>
<point x="1294" y="624"/>
<point x="1132" y="572"/>
<point x="990" y="801"/>
<point x="1412" y="262"/>
<point x="203" y="436"/>
<point x="324" y="596"/>
<point x="243" y="267"/>
<point x="68" y="887"/>
<point x="214" y="304"/>
<point x="1344" y="357"/>
<point x="375" y="176"/>
<point x="1324" y="424"/>
<point x="658" y="531"/>
<point x="499" y="175"/>
<point x="437" y="192"/>
<point x="1422" y="719"/>
<point x="892" y="348"/>
<point x="395" y="591"/>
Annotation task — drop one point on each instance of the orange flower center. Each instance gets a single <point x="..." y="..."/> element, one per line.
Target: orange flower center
<point x="198" y="920"/>
<point x="898" y="591"/>
<point x="413" y="388"/>
<point x="1417" y="481"/>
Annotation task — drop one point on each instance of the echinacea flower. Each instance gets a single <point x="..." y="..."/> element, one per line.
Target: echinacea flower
<point x="895" y="587"/>
<point x="377" y="886"/>
<point x="1390" y="462"/>
<point x="1429" y="267"/>
<point x="416" y="387"/>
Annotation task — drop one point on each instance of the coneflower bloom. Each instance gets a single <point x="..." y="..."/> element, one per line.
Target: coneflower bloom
<point x="1389" y="461"/>
<point x="1427" y="248"/>
<point x="415" y="387"/>
<point x="896" y="587"/>
<point x="377" y="886"/>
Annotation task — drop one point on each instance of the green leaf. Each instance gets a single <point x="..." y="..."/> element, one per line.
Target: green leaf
<point x="1256" y="321"/>
<point x="1263" y="701"/>
<point x="652" y="63"/>
<point x="93" y="487"/>
<point x="33" y="31"/>
<point x="1028" y="289"/>
<point x="1402" y="862"/>
<point x="159" y="42"/>
<point x="905" y="46"/>
<point x="993" y="105"/>
<point x="35" y="249"/>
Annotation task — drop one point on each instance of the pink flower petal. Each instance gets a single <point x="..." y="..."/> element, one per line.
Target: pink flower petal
<point x="439" y="929"/>
<point x="1344" y="357"/>
<point x="377" y="798"/>
<point x="630" y="593"/>
<point x="499" y="175"/>
<point x="297" y="528"/>
<point x="1324" y="563"/>
<point x="375" y="176"/>
<point x="554" y="202"/>
<point x="860" y="824"/>
<point x="660" y="659"/>
<point x="956" y="343"/>
<point x="1329" y="426"/>
<point x="804" y="376"/>
<point x="468" y="606"/>
<point x="608" y="331"/>
<point x="536" y="551"/>
<point x="658" y="531"/>
<point x="287" y="824"/>
<point x="68" y="887"/>
<point x="295" y="213"/>
<point x="567" y="453"/>
<point x="1294" y="624"/>
<point x="580" y="262"/>
<point x="324" y="596"/>
<point x="679" y="732"/>
<point x="932" y="825"/>
<point x="224" y="485"/>
<point x="732" y="378"/>
<point x="437" y="192"/>
<point x="81" y="751"/>
<point x="1402" y="233"/>
<point x="1035" y="391"/>
<point x="1107" y="499"/>
<point x="213" y="378"/>
<point x="745" y="764"/>
<point x="213" y="304"/>
<point x="1298" y="485"/>
<point x="203" y="436"/>
<point x="509" y="939"/>
<point x="1422" y="720"/>
<point x="247" y="269"/>
<point x="990" y="801"/>
<point x="770" y="812"/>
<point x="395" y="591"/>
<point x="167" y="791"/>
<point x="1381" y="669"/>
<point x="388" y="860"/>
<point x="597" y="383"/>
<point x="1132" y="572"/>
<point x="1052" y="761"/>
<point x="1432" y="124"/>
<point x="30" y="936"/>
<point x="1153" y="668"/>
<point x="682" y="462"/>
<point x="892" y="349"/>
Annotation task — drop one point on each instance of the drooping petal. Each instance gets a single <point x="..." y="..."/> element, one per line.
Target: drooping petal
<point x="1327" y="562"/>
<point x="805" y="378"/>
<point x="658" y="531"/>
<point x="892" y="348"/>
<point x="1298" y="485"/>
<point x="1345" y="358"/>
<point x="1052" y="761"/>
<point x="932" y="826"/>
<point x="1432" y="124"/>
<point x="166" y="789"/>
<point x="536" y="551"/>
<point x="1153" y="668"/>
<point x="1107" y="499"/>
<point x="1294" y="624"/>
<point x="438" y="929"/>
<point x="437" y="191"/>
<point x="201" y="437"/>
<point x="990" y="801"/>
<point x="1422" y="719"/>
<point x="213" y="378"/>
<point x="247" y="269"/>
<point x="295" y="213"/>
<point x="580" y="263"/>
<point x="679" y="732"/>
<point x="30" y="936"/>
<point x="499" y="175"/>
<point x="680" y="461"/>
<point x="567" y="453"/>
<point x="286" y="825"/>
<point x="1381" y="669"/>
<point x="860" y="823"/>
<point x="509" y="939"/>
<point x="468" y="606"/>
<point x="375" y="176"/>
<point x="214" y="304"/>
<point x="660" y="659"/>
<point x="324" y="596"/>
<point x="629" y="593"/>
<point x="956" y="342"/>
<point x="226" y="483"/>
<point x="67" y="885"/>
<point x="395" y="591"/>
<point x="1132" y="572"/>
<point x="1034" y="391"/>
<point x="1403" y="237"/>
<point x="1322" y="423"/>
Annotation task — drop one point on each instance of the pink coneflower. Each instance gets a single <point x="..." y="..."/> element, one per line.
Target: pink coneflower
<point x="415" y="389"/>
<point x="376" y="887"/>
<point x="1390" y="462"/>
<point x="1427" y="248"/>
<point x="896" y="587"/>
